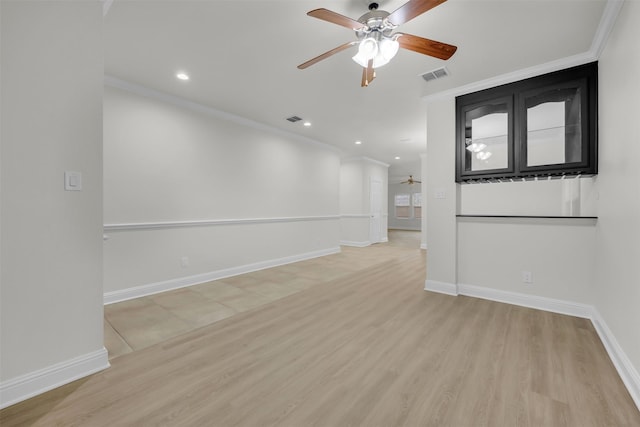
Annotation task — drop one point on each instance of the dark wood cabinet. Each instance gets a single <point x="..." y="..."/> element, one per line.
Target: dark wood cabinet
<point x="544" y="126"/>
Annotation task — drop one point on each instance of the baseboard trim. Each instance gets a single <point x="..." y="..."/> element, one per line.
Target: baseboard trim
<point x="32" y="384"/>
<point x="355" y="244"/>
<point x="525" y="300"/>
<point x="441" y="287"/>
<point x="182" y="282"/>
<point x="626" y="370"/>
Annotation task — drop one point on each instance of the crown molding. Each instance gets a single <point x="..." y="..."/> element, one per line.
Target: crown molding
<point x="607" y="22"/>
<point x="525" y="73"/>
<point x="177" y="101"/>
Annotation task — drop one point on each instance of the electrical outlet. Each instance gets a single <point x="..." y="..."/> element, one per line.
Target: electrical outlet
<point x="527" y="277"/>
<point x="184" y="262"/>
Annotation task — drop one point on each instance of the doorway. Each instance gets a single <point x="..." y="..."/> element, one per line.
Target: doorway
<point x="375" y="209"/>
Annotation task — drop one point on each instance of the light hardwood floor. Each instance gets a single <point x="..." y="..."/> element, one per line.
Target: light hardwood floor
<point x="351" y="339"/>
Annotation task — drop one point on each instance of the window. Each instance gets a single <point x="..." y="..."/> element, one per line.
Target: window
<point x="543" y="126"/>
<point x="403" y="205"/>
<point x="408" y="205"/>
<point x="417" y="205"/>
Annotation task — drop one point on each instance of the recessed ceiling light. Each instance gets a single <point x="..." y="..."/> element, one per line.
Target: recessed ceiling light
<point x="358" y="142"/>
<point x="307" y="124"/>
<point x="182" y="76"/>
<point x="397" y="157"/>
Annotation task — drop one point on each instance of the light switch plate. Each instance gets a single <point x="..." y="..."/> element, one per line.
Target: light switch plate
<point x="72" y="181"/>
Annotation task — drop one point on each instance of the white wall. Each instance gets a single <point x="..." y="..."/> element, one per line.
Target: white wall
<point x="230" y="197"/>
<point x="352" y="184"/>
<point x="580" y="266"/>
<point x="618" y="230"/>
<point x="355" y="205"/>
<point x="440" y="178"/>
<point x="51" y="252"/>
<point x="493" y="253"/>
<point x="425" y="201"/>
<point x="403" y="223"/>
<point x="559" y="253"/>
<point x="568" y="197"/>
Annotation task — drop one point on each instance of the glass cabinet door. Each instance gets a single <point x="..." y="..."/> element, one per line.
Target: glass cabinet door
<point x="541" y="127"/>
<point x="552" y="133"/>
<point x="486" y="138"/>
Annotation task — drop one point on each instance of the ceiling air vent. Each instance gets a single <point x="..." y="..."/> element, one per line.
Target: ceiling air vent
<point x="294" y="119"/>
<point x="435" y="74"/>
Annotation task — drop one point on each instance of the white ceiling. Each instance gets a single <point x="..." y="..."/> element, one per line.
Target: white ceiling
<point x="242" y="57"/>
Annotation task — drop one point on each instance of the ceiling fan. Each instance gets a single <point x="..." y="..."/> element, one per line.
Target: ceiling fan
<point x="377" y="44"/>
<point x="411" y="181"/>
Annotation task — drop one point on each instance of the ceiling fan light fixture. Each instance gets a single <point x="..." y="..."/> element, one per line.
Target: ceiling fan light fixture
<point x="388" y="48"/>
<point x="360" y="60"/>
<point x="385" y="50"/>
<point x="368" y="48"/>
<point x="377" y="44"/>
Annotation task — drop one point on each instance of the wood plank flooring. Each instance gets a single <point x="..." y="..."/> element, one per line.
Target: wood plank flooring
<point x="369" y="347"/>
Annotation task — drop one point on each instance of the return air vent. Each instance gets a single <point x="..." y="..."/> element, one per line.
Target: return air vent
<point x="294" y="119"/>
<point x="435" y="74"/>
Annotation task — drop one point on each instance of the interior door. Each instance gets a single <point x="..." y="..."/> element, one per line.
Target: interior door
<point x="375" y="209"/>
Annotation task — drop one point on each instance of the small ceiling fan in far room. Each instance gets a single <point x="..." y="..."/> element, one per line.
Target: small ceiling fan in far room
<point x="411" y="181"/>
<point x="377" y="43"/>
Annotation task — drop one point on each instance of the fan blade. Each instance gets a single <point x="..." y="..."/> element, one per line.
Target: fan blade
<point x="336" y="18"/>
<point x="371" y="73"/>
<point x="368" y="74"/>
<point x="426" y="47"/>
<point x="326" y="55"/>
<point x="411" y="9"/>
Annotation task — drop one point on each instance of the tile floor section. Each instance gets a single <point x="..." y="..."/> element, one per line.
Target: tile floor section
<point x="139" y="323"/>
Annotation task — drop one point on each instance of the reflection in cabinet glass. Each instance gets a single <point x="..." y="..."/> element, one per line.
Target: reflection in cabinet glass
<point x="486" y="140"/>
<point x="543" y="126"/>
<point x="488" y="136"/>
<point x="553" y="128"/>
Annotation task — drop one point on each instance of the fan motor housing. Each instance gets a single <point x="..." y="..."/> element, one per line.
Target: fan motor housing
<point x="375" y="20"/>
